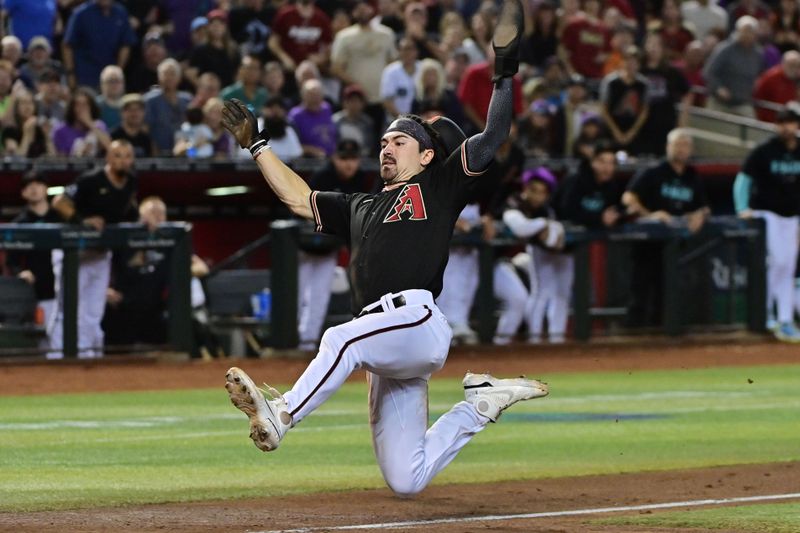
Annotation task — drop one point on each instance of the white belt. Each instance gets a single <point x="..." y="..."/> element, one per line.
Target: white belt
<point x="391" y="301"/>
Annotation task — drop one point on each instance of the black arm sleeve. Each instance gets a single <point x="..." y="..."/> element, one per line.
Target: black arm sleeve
<point x="481" y="147"/>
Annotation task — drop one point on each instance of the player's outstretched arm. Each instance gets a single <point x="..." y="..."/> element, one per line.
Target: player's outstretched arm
<point x="506" y="43"/>
<point x="288" y="186"/>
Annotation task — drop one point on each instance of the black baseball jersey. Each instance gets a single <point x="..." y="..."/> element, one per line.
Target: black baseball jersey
<point x="580" y="199"/>
<point x="775" y="171"/>
<point x="660" y="188"/>
<point x="399" y="238"/>
<point x="94" y="195"/>
<point x="37" y="261"/>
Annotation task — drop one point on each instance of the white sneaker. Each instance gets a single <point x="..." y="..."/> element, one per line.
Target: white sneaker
<point x="491" y="395"/>
<point x="787" y="332"/>
<point x="269" y="419"/>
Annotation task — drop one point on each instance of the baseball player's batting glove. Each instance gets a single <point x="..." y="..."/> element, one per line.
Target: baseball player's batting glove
<point x="506" y="39"/>
<point x="241" y="122"/>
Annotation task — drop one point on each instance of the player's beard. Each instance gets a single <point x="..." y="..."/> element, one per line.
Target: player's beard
<point x="389" y="173"/>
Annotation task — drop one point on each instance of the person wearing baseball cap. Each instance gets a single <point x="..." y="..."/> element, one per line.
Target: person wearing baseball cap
<point x="767" y="187"/>
<point x="35" y="267"/>
<point x="353" y="122"/>
<point x="132" y="125"/>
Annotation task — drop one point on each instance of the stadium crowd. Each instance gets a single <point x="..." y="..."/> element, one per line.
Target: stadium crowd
<point x="599" y="79"/>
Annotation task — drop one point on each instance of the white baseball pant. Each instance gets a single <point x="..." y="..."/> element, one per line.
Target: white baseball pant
<point x="782" y="248"/>
<point x="94" y="272"/>
<point x="399" y="348"/>
<point x="551" y="288"/>
<point x="314" y="280"/>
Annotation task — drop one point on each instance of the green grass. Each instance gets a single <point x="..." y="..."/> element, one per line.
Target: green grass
<point x="767" y="518"/>
<point x="82" y="450"/>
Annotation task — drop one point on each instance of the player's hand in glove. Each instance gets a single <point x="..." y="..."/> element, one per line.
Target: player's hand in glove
<point x="506" y="39"/>
<point x="242" y="123"/>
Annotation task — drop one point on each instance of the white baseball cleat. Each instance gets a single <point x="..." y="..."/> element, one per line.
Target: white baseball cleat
<point x="491" y="396"/>
<point x="269" y="418"/>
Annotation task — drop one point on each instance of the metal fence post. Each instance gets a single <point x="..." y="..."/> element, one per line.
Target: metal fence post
<point x="582" y="287"/>
<point x="485" y="296"/>
<point x="69" y="280"/>
<point x="670" y="288"/>
<point x="283" y="321"/>
<point x="757" y="279"/>
<point x="180" y="300"/>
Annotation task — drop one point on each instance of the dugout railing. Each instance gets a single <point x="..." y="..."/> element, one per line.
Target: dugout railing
<point x="174" y="237"/>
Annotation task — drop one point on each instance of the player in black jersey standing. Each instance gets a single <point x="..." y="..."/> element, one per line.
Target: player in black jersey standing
<point x="399" y="242"/>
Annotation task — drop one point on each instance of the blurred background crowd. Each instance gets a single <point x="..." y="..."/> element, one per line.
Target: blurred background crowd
<point x="75" y="74"/>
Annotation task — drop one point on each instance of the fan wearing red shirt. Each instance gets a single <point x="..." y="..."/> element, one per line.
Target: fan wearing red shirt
<point x="586" y="41"/>
<point x="300" y="31"/>
<point x="475" y="92"/>
<point x="778" y="84"/>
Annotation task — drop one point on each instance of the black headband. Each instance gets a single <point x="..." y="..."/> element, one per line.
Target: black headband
<point x="413" y="129"/>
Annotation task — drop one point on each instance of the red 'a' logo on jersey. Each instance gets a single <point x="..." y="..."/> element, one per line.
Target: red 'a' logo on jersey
<point x="409" y="201"/>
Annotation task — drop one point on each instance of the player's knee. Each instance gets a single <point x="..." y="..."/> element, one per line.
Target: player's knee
<point x="404" y="487"/>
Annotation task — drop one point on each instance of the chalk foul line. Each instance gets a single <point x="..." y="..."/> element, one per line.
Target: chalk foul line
<point x="551" y="514"/>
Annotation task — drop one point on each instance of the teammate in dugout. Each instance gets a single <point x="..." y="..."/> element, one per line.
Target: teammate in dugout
<point x="399" y="241"/>
<point x="768" y="187"/>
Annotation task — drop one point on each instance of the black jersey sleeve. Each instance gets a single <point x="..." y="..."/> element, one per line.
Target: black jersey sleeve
<point x="754" y="165"/>
<point x="331" y="212"/>
<point x="453" y="181"/>
<point x="643" y="186"/>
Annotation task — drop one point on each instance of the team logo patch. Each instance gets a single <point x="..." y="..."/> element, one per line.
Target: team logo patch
<point x="408" y="206"/>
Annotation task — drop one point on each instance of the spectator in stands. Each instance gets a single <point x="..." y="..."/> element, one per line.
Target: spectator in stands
<point x="49" y="104"/>
<point x="11" y="50"/>
<point x="415" y="20"/>
<point x="144" y="74"/>
<point x="132" y="127"/>
<point x="733" y="68"/>
<point x="317" y="262"/>
<point x="27" y="135"/>
<point x="248" y="87"/>
<point x="353" y="123"/>
<point x="82" y="134"/>
<point x="39" y="61"/>
<point x="569" y="114"/>
<point x="275" y="81"/>
<point x="249" y="23"/>
<point x="300" y="31"/>
<point x="219" y="55"/>
<point x="550" y="84"/>
<point x="98" y="33"/>
<point x="777" y="85"/>
<point x="106" y="195"/>
<point x="35" y="267"/>
<point x="786" y="25"/>
<point x="666" y="88"/>
<point x="623" y="99"/>
<point x="704" y="16"/>
<point x="592" y="197"/>
<point x="313" y="120"/>
<point x="453" y="30"/>
<point x="454" y="68"/>
<point x="622" y="37"/>
<point x="481" y="25"/>
<point x="431" y="93"/>
<point x="541" y="42"/>
<point x="112" y="88"/>
<point x="397" y="80"/>
<point x="27" y="19"/>
<point x="208" y="86"/>
<point x="536" y="130"/>
<point x="475" y="92"/>
<point x="591" y="133"/>
<point x="283" y="138"/>
<point x="193" y="139"/>
<point x="359" y="55"/>
<point x="692" y="69"/>
<point x="165" y="106"/>
<point x="221" y="140"/>
<point x="6" y="86"/>
<point x="198" y="37"/>
<point x="663" y="193"/>
<point x="674" y="33"/>
<point x="585" y="42"/>
<point x="754" y="8"/>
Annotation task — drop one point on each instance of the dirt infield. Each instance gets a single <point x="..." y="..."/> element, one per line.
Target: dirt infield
<point x="437" y="502"/>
